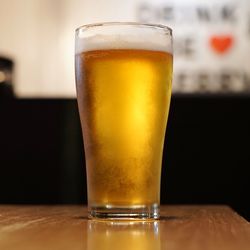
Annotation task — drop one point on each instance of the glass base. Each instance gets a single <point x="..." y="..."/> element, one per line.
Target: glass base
<point x="135" y="212"/>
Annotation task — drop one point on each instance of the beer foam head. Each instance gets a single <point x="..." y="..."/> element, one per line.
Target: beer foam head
<point x="123" y="36"/>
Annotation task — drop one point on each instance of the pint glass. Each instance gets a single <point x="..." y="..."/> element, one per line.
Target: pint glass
<point x="123" y="80"/>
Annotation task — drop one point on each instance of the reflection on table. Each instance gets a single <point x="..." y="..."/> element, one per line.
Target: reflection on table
<point x="123" y="235"/>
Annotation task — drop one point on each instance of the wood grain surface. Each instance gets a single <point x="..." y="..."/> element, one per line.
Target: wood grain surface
<point x="67" y="227"/>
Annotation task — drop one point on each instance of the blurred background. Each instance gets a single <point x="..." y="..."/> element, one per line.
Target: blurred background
<point x="206" y="155"/>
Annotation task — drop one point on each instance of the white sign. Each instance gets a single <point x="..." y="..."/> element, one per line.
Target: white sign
<point x="211" y="41"/>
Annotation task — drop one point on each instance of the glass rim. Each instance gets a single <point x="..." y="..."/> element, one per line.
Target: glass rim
<point x="145" y="25"/>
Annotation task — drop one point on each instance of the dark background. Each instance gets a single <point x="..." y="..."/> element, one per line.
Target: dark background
<point x="206" y="156"/>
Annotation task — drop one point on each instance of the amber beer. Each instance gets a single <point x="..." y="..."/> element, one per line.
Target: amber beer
<point x="123" y="99"/>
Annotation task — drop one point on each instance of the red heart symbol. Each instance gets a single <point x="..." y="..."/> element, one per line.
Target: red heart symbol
<point x="221" y="44"/>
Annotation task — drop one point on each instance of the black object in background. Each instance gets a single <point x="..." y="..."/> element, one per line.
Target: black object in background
<point x="206" y="156"/>
<point x="6" y="76"/>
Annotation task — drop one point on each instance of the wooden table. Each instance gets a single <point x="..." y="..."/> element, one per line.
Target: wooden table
<point x="67" y="227"/>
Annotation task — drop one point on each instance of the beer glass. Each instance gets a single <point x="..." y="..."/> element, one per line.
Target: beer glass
<point x="123" y="80"/>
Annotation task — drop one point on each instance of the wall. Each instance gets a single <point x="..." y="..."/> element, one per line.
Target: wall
<point x="29" y="36"/>
<point x="39" y="36"/>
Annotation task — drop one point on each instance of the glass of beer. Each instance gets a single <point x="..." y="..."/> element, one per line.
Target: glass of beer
<point x="123" y="80"/>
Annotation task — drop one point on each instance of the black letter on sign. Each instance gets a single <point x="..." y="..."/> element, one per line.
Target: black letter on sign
<point x="246" y="79"/>
<point x="144" y="13"/>
<point x="203" y="81"/>
<point x="167" y="13"/>
<point x="226" y="81"/>
<point x="227" y="13"/>
<point x="203" y="14"/>
<point x="181" y="79"/>
<point x="189" y="48"/>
